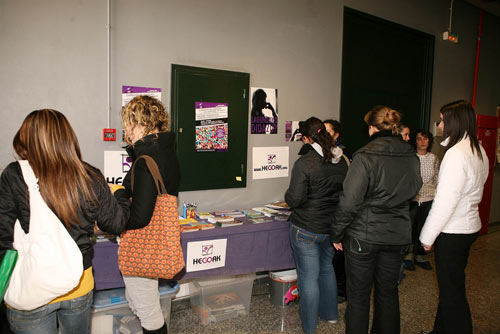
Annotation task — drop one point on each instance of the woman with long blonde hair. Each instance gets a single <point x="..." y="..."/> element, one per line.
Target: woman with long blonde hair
<point x="79" y="196"/>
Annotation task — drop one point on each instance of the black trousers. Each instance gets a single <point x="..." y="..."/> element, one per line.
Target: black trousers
<point x="418" y="215"/>
<point x="339" y="267"/>
<point x="367" y="265"/>
<point x="451" y="252"/>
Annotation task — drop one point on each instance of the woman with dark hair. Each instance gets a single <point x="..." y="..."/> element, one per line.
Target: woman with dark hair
<point x="372" y="224"/>
<point x="78" y="195"/>
<point x="453" y="223"/>
<point x="334" y="129"/>
<point x="421" y="204"/>
<point x="313" y="195"/>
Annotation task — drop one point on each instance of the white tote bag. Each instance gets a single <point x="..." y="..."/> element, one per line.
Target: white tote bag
<point x="49" y="263"/>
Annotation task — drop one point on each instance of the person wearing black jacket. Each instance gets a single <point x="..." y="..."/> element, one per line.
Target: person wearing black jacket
<point x="77" y="193"/>
<point x="146" y="125"/>
<point x="373" y="225"/>
<point x="313" y="194"/>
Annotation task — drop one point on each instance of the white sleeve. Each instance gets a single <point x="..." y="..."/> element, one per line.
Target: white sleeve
<point x="452" y="178"/>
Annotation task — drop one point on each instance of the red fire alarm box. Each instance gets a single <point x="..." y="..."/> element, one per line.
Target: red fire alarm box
<point x="109" y="134"/>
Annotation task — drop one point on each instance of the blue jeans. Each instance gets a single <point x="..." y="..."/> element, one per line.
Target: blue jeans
<point x="316" y="281"/>
<point x="73" y="317"/>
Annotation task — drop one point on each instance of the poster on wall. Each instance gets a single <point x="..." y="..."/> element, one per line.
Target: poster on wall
<point x="264" y="110"/>
<point x="206" y="254"/>
<point x="292" y="132"/>
<point x="211" y="127"/>
<point x="129" y="92"/>
<point x="116" y="166"/>
<point x="270" y="162"/>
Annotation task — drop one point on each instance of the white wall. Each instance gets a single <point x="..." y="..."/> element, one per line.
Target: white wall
<point x="54" y="55"/>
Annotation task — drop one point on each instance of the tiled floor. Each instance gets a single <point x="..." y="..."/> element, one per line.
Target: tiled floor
<point x="418" y="301"/>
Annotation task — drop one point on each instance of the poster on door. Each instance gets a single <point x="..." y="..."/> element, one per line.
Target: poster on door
<point x="211" y="127"/>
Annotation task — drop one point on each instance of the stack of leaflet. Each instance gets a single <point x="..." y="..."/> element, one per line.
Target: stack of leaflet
<point x="282" y="205"/>
<point x="261" y="220"/>
<point x="235" y="222"/>
<point x="279" y="211"/>
<point x="229" y="213"/>
<point x="192" y="227"/>
<point x="219" y="219"/>
<point x="268" y="212"/>
<point x="204" y="215"/>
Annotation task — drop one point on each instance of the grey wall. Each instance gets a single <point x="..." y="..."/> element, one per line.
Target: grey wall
<point x="54" y="55"/>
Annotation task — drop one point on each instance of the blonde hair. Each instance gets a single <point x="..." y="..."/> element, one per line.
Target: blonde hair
<point x="48" y="142"/>
<point x="384" y="118"/>
<point x="144" y="111"/>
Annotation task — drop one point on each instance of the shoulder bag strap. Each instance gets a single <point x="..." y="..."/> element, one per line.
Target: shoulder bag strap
<point x="28" y="175"/>
<point x="155" y="172"/>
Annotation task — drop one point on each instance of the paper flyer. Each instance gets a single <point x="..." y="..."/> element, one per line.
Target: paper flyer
<point x="129" y="92"/>
<point x="292" y="132"/>
<point x="270" y="162"/>
<point x="211" y="127"/>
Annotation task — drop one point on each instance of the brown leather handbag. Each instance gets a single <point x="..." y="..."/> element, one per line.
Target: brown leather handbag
<point x="155" y="250"/>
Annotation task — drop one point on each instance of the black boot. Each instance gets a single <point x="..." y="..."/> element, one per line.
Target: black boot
<point x="161" y="330"/>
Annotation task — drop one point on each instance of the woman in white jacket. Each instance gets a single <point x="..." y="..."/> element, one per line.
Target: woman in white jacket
<point x="453" y="223"/>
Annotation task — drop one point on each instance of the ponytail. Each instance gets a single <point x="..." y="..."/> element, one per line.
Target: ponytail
<point x="384" y="118"/>
<point x="315" y="129"/>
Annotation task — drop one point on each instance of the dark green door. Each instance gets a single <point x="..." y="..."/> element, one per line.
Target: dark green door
<point x="383" y="63"/>
<point x="202" y="170"/>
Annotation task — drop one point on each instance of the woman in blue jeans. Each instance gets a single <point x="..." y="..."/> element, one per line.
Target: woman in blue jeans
<point x="78" y="194"/>
<point x="313" y="194"/>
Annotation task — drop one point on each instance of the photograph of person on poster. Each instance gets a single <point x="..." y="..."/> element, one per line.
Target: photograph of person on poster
<point x="264" y="114"/>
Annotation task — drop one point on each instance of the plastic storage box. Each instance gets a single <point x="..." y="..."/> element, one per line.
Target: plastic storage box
<point x="218" y="299"/>
<point x="110" y="312"/>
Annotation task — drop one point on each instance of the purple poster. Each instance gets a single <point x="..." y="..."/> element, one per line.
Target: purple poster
<point x="129" y="92"/>
<point x="211" y="127"/>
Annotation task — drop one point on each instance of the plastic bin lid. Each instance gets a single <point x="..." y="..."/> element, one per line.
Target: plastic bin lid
<point x="113" y="297"/>
<point x="106" y="298"/>
<point x="224" y="280"/>
<point x="284" y="276"/>
<point x="168" y="288"/>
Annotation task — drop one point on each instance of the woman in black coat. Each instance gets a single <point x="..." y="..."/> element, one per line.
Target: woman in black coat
<point x="313" y="194"/>
<point x="373" y="225"/>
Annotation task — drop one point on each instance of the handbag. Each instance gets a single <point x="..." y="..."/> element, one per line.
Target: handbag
<point x="6" y="268"/>
<point x="153" y="251"/>
<point x="49" y="263"/>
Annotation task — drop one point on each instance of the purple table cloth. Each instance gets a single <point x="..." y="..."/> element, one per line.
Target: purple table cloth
<point x="250" y="248"/>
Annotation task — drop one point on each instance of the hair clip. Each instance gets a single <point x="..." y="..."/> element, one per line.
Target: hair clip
<point x="319" y="130"/>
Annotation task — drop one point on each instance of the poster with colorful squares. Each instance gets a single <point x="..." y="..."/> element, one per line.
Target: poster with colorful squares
<point x="211" y="127"/>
